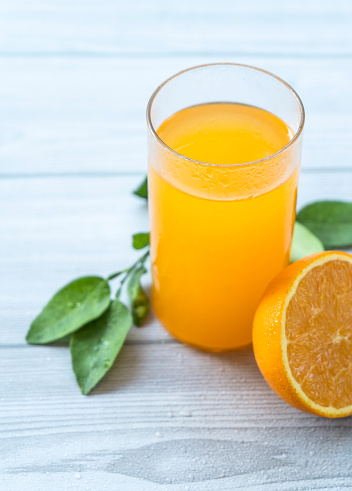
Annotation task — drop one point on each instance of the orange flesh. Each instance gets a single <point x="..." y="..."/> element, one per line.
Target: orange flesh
<point x="319" y="334"/>
<point x="213" y="258"/>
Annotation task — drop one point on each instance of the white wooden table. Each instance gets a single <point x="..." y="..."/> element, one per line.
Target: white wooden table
<point x="75" y="77"/>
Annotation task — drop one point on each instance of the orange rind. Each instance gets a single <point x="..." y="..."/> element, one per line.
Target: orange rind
<point x="302" y="334"/>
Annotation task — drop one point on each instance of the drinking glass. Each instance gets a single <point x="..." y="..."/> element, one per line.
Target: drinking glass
<point x="219" y="231"/>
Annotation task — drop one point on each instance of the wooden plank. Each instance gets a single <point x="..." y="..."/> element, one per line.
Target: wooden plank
<point x="156" y="26"/>
<point x="56" y="229"/>
<point x="166" y="417"/>
<point x="88" y="115"/>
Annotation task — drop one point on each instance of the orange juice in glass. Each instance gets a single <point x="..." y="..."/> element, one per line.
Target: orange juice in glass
<point x="224" y="155"/>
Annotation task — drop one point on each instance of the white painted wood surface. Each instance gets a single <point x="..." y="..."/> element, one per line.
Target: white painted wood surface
<point x="200" y="26"/>
<point x="84" y="115"/>
<point x="74" y="81"/>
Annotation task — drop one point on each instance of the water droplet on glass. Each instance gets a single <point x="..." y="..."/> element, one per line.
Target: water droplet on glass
<point x="78" y="475"/>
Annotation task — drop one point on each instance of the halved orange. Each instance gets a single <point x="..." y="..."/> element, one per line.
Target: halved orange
<point x="302" y="334"/>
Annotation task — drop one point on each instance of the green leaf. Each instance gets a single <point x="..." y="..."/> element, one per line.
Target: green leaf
<point x="330" y="221"/>
<point x="139" y="241"/>
<point x="138" y="298"/>
<point x="142" y="190"/>
<point x="95" y="346"/>
<point x="304" y="243"/>
<point x="77" y="303"/>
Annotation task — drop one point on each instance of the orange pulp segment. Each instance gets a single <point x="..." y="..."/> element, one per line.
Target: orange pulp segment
<point x="302" y="334"/>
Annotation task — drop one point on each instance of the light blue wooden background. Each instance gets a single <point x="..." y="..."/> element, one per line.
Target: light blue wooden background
<point x="75" y="77"/>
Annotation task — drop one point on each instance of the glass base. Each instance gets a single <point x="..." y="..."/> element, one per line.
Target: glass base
<point x="208" y="349"/>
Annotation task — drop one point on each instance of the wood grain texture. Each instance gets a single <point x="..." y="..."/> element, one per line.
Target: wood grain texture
<point x="165" y="417"/>
<point x="80" y="116"/>
<point x="127" y="27"/>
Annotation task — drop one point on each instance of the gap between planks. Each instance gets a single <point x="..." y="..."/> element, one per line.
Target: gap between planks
<point x="174" y="54"/>
<point x="82" y="175"/>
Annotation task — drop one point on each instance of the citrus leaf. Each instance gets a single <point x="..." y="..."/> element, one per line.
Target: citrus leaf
<point x="142" y="190"/>
<point x="141" y="240"/>
<point x="95" y="346"/>
<point x="138" y="297"/>
<point x="77" y="303"/>
<point x="330" y="221"/>
<point x="304" y="243"/>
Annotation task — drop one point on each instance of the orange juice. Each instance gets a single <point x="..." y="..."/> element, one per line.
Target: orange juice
<point x="219" y="232"/>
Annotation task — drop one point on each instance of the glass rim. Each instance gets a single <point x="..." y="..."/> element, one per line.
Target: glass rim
<point x="188" y="159"/>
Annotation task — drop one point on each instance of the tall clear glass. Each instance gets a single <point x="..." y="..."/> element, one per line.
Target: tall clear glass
<point x="221" y="228"/>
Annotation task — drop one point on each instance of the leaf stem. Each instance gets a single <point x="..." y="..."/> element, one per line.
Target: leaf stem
<point x="141" y="260"/>
<point x="115" y="275"/>
<point x="127" y="272"/>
